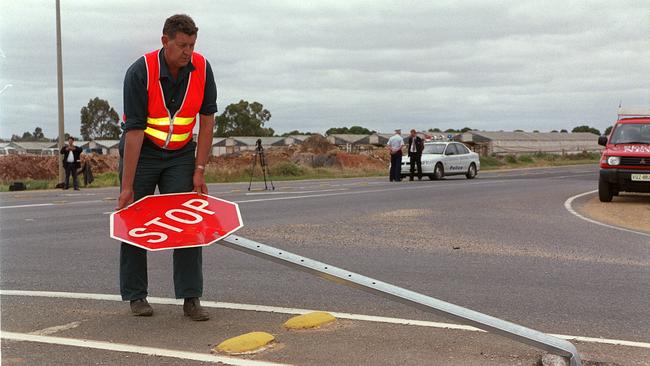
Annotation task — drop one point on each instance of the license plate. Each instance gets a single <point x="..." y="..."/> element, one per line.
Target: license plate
<point x="641" y="177"/>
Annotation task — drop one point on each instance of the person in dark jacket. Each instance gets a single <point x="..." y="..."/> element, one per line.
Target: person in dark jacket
<point x="416" y="145"/>
<point x="71" y="163"/>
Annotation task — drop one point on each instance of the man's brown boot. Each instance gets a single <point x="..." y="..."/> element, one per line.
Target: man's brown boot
<point x="141" y="307"/>
<point x="192" y="308"/>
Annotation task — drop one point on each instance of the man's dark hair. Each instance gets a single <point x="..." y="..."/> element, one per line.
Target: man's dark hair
<point x="179" y="23"/>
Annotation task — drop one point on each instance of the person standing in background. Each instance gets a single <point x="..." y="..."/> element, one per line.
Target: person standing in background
<point x="71" y="163"/>
<point x="416" y="145"/>
<point x="394" y="145"/>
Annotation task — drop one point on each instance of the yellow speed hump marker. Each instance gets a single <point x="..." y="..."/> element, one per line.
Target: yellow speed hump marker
<point x="245" y="343"/>
<point x="309" y="320"/>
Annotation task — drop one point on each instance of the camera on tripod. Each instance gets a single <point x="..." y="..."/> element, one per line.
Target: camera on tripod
<point x="259" y="153"/>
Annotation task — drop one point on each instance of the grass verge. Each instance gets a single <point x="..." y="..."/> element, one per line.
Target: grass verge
<point x="536" y="160"/>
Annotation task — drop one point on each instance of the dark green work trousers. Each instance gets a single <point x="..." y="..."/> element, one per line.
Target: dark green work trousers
<point x="172" y="172"/>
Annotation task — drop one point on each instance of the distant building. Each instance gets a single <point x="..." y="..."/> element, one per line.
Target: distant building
<point x="9" y="148"/>
<point x="36" y="147"/>
<point x="379" y="139"/>
<point x="502" y="143"/>
<point x="48" y="148"/>
<point x="235" y="144"/>
<point x="102" y="147"/>
<point x="346" y="139"/>
<point x="295" y="139"/>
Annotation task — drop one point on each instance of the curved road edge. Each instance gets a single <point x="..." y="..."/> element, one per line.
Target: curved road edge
<point x="568" y="204"/>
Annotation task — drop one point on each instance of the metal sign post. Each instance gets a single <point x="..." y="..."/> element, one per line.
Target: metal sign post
<point x="488" y="323"/>
<point x="59" y="83"/>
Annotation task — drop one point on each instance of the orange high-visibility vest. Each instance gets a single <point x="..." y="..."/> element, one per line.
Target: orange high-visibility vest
<point x="167" y="131"/>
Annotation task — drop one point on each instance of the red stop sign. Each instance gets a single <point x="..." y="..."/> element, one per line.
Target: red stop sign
<point x="176" y="220"/>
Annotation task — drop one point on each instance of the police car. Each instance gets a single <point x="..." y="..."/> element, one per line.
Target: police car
<point x="440" y="159"/>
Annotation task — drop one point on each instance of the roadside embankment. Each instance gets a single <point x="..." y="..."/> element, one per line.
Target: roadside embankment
<point x="315" y="158"/>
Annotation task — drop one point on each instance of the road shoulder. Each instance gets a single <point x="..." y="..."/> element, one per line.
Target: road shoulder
<point x="630" y="211"/>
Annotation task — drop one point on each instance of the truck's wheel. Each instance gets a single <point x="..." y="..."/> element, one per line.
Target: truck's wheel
<point x="605" y="191"/>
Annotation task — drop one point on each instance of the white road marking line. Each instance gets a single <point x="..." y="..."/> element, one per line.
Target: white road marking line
<point x="52" y="204"/>
<point x="120" y="347"/>
<point x="614" y="342"/>
<point x="294" y="192"/>
<point x="55" y="329"/>
<point x="299" y="187"/>
<point x="31" y="205"/>
<point x="572" y="175"/>
<point x="297" y="311"/>
<point x="568" y="204"/>
<point x="434" y="185"/>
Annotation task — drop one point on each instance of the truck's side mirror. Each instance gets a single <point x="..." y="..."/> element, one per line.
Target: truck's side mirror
<point x="602" y="140"/>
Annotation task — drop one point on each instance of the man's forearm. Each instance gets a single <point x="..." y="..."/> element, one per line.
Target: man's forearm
<point x="204" y="144"/>
<point x="132" y="146"/>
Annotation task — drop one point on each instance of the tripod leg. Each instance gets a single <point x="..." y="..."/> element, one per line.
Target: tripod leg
<point x="252" y="171"/>
<point x="271" y="180"/>
<point x="263" y="164"/>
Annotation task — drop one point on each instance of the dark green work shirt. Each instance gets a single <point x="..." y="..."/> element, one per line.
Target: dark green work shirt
<point x="136" y="97"/>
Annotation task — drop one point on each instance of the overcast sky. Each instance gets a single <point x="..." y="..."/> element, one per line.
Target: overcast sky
<point x="490" y="65"/>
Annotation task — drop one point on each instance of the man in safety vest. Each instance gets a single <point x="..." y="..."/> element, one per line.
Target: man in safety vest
<point x="164" y="91"/>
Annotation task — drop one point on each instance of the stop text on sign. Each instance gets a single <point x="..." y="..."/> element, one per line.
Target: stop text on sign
<point x="190" y="215"/>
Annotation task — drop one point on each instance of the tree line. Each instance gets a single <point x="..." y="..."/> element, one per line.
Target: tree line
<point x="100" y="121"/>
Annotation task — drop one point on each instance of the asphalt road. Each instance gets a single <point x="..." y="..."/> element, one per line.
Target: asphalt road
<point x="502" y="244"/>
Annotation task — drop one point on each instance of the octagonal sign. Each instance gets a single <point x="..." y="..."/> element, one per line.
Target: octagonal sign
<point x="176" y="220"/>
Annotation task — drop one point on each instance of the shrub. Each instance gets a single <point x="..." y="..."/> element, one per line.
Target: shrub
<point x="525" y="158"/>
<point x="490" y="161"/>
<point x="108" y="179"/>
<point x="286" y="168"/>
<point x="511" y="159"/>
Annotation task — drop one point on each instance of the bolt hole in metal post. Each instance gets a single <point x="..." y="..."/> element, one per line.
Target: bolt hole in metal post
<point x="486" y="322"/>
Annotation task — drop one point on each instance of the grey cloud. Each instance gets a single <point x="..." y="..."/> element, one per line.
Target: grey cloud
<point x="491" y="65"/>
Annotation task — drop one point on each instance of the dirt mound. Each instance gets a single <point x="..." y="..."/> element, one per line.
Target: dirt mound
<point x="15" y="167"/>
<point x="317" y="144"/>
<point x="358" y="161"/>
<point x="101" y="163"/>
<point x="317" y="152"/>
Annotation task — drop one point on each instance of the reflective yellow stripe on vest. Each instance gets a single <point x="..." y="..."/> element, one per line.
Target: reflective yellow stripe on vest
<point x="164" y="121"/>
<point x="163" y="135"/>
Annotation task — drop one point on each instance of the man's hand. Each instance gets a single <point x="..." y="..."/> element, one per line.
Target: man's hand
<point x="199" y="182"/>
<point x="125" y="199"/>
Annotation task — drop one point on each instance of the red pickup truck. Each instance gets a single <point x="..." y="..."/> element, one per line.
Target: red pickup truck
<point x="625" y="163"/>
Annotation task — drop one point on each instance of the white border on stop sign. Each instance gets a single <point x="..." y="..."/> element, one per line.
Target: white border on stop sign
<point x="241" y="221"/>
